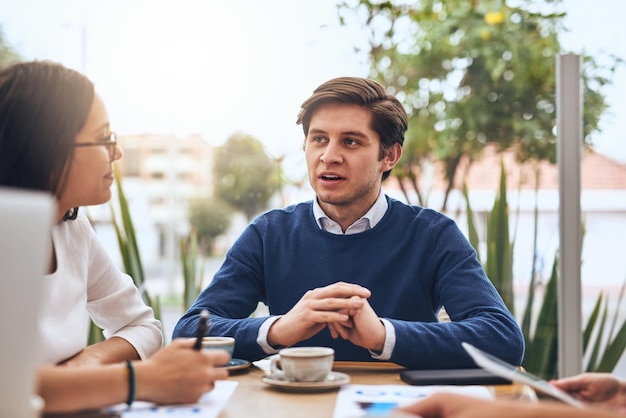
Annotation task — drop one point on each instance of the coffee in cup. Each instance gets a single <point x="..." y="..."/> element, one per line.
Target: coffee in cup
<point x="220" y="343"/>
<point x="303" y="364"/>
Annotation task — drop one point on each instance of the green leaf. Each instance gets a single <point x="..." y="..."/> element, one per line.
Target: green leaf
<point x="615" y="346"/>
<point x="129" y="252"/>
<point x="617" y="310"/>
<point x="193" y="270"/>
<point x="530" y="301"/>
<point x="499" y="267"/>
<point x="591" y="322"/>
<point x="471" y="225"/>
<point x="595" y="352"/>
<point x="129" y="248"/>
<point x="613" y="352"/>
<point x="95" y="334"/>
<point x="541" y="355"/>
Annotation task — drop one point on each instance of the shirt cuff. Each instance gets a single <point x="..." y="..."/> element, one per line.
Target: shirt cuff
<point x="390" y="342"/>
<point x="261" y="338"/>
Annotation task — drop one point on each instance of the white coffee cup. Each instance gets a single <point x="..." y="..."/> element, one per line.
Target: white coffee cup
<point x="303" y="364"/>
<point x="219" y="343"/>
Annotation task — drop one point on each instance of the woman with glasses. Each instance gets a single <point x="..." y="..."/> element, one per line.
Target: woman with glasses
<point x="55" y="136"/>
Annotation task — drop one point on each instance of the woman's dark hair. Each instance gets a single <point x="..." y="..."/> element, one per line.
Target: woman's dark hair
<point x="389" y="119"/>
<point x="43" y="107"/>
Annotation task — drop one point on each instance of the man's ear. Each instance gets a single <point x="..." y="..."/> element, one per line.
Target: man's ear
<point x="393" y="155"/>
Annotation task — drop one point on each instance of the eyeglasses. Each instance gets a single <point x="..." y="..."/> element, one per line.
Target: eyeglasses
<point x="109" y="141"/>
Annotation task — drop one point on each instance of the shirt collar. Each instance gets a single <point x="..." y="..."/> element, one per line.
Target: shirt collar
<point x="365" y="222"/>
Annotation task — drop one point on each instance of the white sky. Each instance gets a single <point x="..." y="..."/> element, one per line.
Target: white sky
<point x="217" y="67"/>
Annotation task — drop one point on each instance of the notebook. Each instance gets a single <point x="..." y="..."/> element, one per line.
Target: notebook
<point x="506" y="370"/>
<point x="25" y="221"/>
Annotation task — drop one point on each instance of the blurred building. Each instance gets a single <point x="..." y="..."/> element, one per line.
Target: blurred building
<point x="161" y="174"/>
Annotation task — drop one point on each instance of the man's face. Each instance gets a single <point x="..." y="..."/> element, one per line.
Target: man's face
<point x="343" y="158"/>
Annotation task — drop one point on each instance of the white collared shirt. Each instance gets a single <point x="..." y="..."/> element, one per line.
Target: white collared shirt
<point x="364" y="223"/>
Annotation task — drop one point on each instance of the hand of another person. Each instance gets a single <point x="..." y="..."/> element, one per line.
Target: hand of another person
<point x="602" y="389"/>
<point x="110" y="351"/>
<point x="179" y="374"/>
<point x="81" y="359"/>
<point x="364" y="328"/>
<point x="318" y="307"/>
<point x="447" y="405"/>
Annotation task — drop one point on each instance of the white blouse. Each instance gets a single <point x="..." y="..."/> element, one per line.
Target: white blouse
<point x="87" y="282"/>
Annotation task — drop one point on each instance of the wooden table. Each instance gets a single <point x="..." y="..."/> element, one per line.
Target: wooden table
<point x="254" y="399"/>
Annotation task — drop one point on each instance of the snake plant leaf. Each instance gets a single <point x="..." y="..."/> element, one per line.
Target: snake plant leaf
<point x="192" y="275"/>
<point x="129" y="251"/>
<point x="541" y="330"/>
<point x="499" y="266"/>
<point x="607" y="350"/>
<point x="184" y="249"/>
<point x="613" y="352"/>
<point x="541" y="353"/>
<point x="617" y="310"/>
<point x="615" y="346"/>
<point x="532" y="283"/>
<point x="132" y="254"/>
<point x="471" y="225"/>
<point x="129" y="248"/>
<point x="591" y="322"/>
<point x="192" y="267"/>
<point x="597" y="346"/>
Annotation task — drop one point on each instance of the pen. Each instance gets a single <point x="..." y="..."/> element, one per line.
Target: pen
<point x="203" y="327"/>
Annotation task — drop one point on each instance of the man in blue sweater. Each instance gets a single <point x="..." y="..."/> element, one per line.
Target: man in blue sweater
<point x="353" y="269"/>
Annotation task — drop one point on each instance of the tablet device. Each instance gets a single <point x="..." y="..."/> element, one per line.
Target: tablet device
<point x="452" y="377"/>
<point x="506" y="370"/>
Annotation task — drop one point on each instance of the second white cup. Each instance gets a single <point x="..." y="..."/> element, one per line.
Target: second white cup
<point x="303" y="364"/>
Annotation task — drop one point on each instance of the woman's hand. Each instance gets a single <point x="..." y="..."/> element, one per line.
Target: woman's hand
<point x="179" y="374"/>
<point x="601" y="389"/>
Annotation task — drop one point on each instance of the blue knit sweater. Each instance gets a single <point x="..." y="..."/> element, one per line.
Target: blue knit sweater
<point x="414" y="261"/>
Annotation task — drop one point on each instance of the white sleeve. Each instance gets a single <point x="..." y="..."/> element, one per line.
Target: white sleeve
<point x="390" y="342"/>
<point x="262" y="336"/>
<point x="116" y="305"/>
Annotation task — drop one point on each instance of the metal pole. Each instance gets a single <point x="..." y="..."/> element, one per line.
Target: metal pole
<point x="569" y="150"/>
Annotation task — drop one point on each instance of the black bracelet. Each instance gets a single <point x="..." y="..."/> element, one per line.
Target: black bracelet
<point x="132" y="385"/>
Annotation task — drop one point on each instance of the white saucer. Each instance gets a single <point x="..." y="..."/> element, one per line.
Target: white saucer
<point x="332" y="381"/>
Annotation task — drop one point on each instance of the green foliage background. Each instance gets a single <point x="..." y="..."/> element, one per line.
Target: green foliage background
<point x="7" y="54"/>
<point x="246" y="178"/>
<point x="472" y="72"/>
<point x="209" y="218"/>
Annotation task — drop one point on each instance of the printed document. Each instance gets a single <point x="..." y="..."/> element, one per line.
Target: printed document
<point x="355" y="401"/>
<point x="209" y="406"/>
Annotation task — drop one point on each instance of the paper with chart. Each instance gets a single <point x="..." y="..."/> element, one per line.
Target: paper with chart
<point x="209" y="406"/>
<point x="355" y="401"/>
